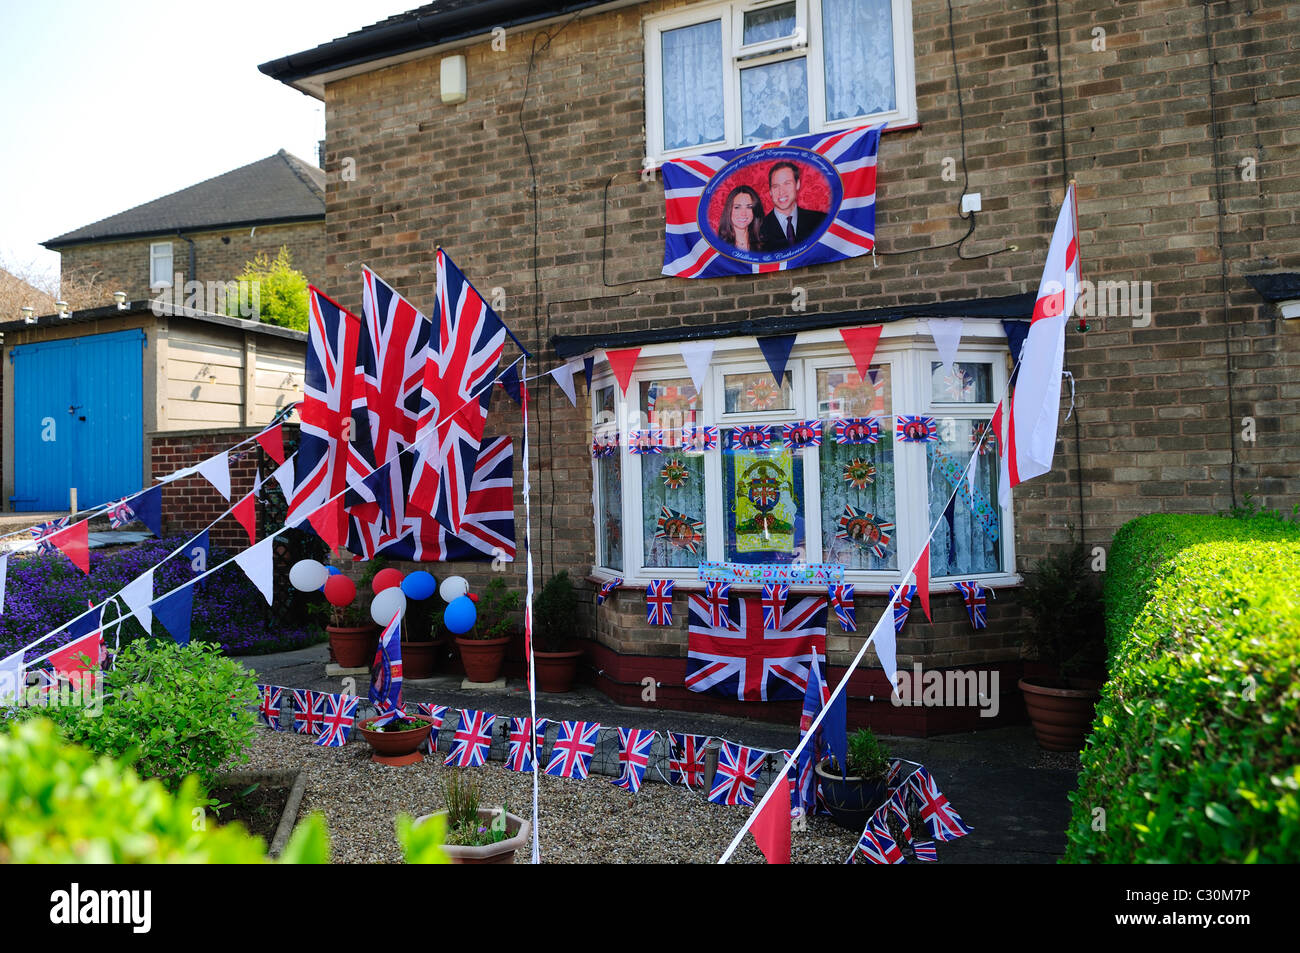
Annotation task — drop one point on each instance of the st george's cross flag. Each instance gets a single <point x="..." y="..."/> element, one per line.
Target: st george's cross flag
<point x="634" y="746"/>
<point x="749" y="662"/>
<point x="1028" y="430"/>
<point x="824" y="183"/>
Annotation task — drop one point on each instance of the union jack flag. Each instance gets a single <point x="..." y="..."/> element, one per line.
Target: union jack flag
<point x="902" y="606"/>
<point x="972" y="594"/>
<point x="605" y="589"/>
<point x="983" y="439"/>
<point x="803" y="433"/>
<point x="773" y="602"/>
<point x="308" y="712"/>
<point x="436" y="714"/>
<point x="120" y="513"/>
<point x="679" y="529"/>
<point x="737" y="774"/>
<point x="645" y="441"/>
<point x="848" y="231"/>
<point x="718" y="597"/>
<point x="686" y="759"/>
<point x="386" y="677"/>
<point x="659" y="602"/>
<point x="571" y="754"/>
<point x="457" y="388"/>
<point x="877" y="846"/>
<point x="42" y="531"/>
<point x="857" y="430"/>
<point x="923" y="850"/>
<point x="633" y="757"/>
<point x="699" y="439"/>
<point x="526" y="744"/>
<point x="815" y="698"/>
<point x="472" y="745"/>
<point x="336" y="725"/>
<point x="752" y="437"/>
<point x="913" y="429"/>
<point x="748" y="662"/>
<point x="867" y="530"/>
<point x="604" y="444"/>
<point x="944" y="823"/>
<point x="842" y="602"/>
<point x="897" y="805"/>
<point x="269" y="709"/>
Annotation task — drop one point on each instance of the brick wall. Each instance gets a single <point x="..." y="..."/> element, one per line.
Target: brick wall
<point x="191" y="503"/>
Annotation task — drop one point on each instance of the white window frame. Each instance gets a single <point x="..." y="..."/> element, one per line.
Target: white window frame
<point x="158" y="251"/>
<point x="734" y="57"/>
<point x="906" y="346"/>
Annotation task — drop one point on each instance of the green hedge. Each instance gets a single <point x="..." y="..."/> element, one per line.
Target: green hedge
<point x="1195" y="752"/>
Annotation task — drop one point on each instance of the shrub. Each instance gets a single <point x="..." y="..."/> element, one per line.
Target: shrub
<point x="495" y="608"/>
<point x="1064" y="602"/>
<point x="281" y="291"/>
<point x="555" y="613"/>
<point x="1194" y="756"/>
<point x="61" y="805"/>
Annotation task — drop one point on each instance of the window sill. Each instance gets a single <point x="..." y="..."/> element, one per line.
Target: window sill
<point x="937" y="585"/>
<point x="653" y="165"/>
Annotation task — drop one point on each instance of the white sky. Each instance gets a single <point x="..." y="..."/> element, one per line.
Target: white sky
<point x="107" y="104"/>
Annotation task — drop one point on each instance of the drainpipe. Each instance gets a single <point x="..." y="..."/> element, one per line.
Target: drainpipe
<point x="190" y="275"/>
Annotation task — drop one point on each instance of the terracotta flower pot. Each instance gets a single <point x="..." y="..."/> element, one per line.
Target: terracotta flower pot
<point x="1062" y="717"/>
<point x="353" y="647"/>
<point x="850" y="800"/>
<point x="482" y="657"/>
<point x="503" y="852"/>
<point x="556" y="670"/>
<point x="421" y="659"/>
<point x="396" y="747"/>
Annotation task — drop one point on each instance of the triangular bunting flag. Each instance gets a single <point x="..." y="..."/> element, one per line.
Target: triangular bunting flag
<point x="147" y="507"/>
<point x="510" y="382"/>
<point x="272" y="442"/>
<point x="622" y="362"/>
<point x="138" y="594"/>
<point x="216" y="470"/>
<point x="771" y="827"/>
<point x="1016" y="332"/>
<point x="74" y="542"/>
<point x="4" y="572"/>
<point x="174" y="611"/>
<point x="330" y="524"/>
<point x="861" y="343"/>
<point x="776" y="351"/>
<point x="885" y="641"/>
<point x="11" y="678"/>
<point x="564" y="377"/>
<point x="197" y="551"/>
<point x="283" y="475"/>
<point x="258" y="566"/>
<point x="923" y="581"/>
<point x="697" y="355"/>
<point x="87" y="641"/>
<point x="947" y="337"/>
<point x="588" y="365"/>
<point x="246" y="512"/>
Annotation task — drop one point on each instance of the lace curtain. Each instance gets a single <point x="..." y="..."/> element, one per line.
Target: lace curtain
<point x="858" y="39"/>
<point x="692" y="90"/>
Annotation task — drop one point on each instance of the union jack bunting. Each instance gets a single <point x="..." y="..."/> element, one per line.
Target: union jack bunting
<point x="42" y="531"/>
<point x="308" y="712"/>
<point x="845" y="160"/>
<point x="269" y="706"/>
<point x="972" y="593"/>
<point x="944" y="823"/>
<point x="913" y="429"/>
<point x="571" y="754"/>
<point x="659" y="602"/>
<point x="633" y="757"/>
<point x="686" y="759"/>
<point x="436" y="714"/>
<point x="791" y="778"/>
<point x="718" y="597"/>
<point x="748" y="662"/>
<point x="841" y="595"/>
<point x="801" y="434"/>
<point x="386" y="677"/>
<point x="699" y="439"/>
<point x="604" y="445"/>
<point x="752" y="437"/>
<point x="120" y="513"/>
<point x="902" y="606"/>
<point x="645" y="441"/>
<point x="877" y="846"/>
<point x="773" y="603"/>
<point x="737" y="774"/>
<point x="336" y="724"/>
<point x="525" y="744"/>
<point x="923" y="850"/>
<point x="605" y="589"/>
<point x="897" y="805"/>
<point x="472" y="745"/>
<point x="857" y="430"/>
<point x="815" y="698"/>
<point x="466" y="341"/>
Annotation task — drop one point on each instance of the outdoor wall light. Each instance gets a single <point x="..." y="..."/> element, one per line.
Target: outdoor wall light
<point x="64" y="309"/>
<point x="452" y="79"/>
<point x="120" y="298"/>
<point x="29" y="315"/>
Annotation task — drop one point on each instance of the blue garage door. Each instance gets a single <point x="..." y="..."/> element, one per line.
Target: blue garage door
<point x="78" y="420"/>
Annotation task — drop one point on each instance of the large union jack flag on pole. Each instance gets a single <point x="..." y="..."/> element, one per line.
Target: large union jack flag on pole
<point x="749" y="662"/>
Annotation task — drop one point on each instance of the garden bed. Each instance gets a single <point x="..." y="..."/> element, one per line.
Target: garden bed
<point x="265" y="802"/>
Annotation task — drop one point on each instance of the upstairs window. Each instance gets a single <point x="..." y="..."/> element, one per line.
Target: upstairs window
<point x="160" y="265"/>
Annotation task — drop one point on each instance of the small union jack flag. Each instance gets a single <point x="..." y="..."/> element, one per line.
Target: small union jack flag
<point x="877" y="846"/>
<point x="686" y="759"/>
<point x="472" y="744"/>
<point x="699" y="439"/>
<point x="944" y="823"/>
<point x="718" y="597"/>
<point x="897" y="805"/>
<point x="752" y="438"/>
<point x="604" y="444"/>
<point x="773" y="602"/>
<point x="842" y="602"/>
<point x="801" y="434"/>
<point x="571" y="754"/>
<point x="972" y="594"/>
<point x="436" y="714"/>
<point x="42" y="531"/>
<point x="659" y="602"/>
<point x="923" y="850"/>
<point x="737" y="774"/>
<point x="902" y="606"/>
<point x="983" y="439"/>
<point x="645" y="441"/>
<point x="120" y="513"/>
<point x="336" y="725"/>
<point x="913" y="429"/>
<point x="633" y="757"/>
<point x="526" y="744"/>
<point x="269" y="709"/>
<point x="605" y="589"/>
<point x="308" y="712"/>
<point x="857" y="430"/>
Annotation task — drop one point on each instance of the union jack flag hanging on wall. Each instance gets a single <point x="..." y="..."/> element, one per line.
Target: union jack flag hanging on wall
<point x="737" y="774"/>
<point x="336" y="724"/>
<point x="571" y="754"/>
<point x="747" y="662"/>
<point x="633" y="757"/>
<point x="308" y="712"/>
<point x="857" y="430"/>
<point x="605" y="589"/>
<point x="269" y="706"/>
<point x="914" y="429"/>
<point x="686" y="759"/>
<point x="902" y="606"/>
<point x="841" y="595"/>
<point x="972" y="593"/>
<point x="659" y="602"/>
<point x="472" y="744"/>
<point x="526" y="744"/>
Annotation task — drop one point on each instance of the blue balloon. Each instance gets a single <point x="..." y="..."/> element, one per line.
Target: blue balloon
<point x="419" y="585"/>
<point x="460" y="615"/>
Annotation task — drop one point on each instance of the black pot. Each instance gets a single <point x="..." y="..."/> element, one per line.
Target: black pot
<point x="851" y="800"/>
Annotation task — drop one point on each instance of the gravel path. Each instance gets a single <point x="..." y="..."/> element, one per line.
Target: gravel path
<point x="588" y="821"/>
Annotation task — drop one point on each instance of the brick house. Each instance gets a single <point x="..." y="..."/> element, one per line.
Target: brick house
<point x="1178" y="123"/>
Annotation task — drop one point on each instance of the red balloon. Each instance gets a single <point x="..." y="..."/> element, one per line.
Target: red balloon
<point x="340" y="590"/>
<point x="386" y="579"/>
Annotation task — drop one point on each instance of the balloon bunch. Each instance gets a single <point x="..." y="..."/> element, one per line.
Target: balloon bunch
<point x="392" y="589"/>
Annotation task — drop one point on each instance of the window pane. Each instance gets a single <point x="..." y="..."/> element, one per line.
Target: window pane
<point x="609" y="503"/>
<point x="756" y="393"/>
<point x="858" y="40"/>
<point x="669" y="405"/>
<point x="769" y="24"/>
<point x="858" y="523"/>
<point x="672" y="482"/>
<point x="762" y="505"/>
<point x="692" y="85"/>
<point x="968" y="384"/>
<point x="774" y="100"/>
<point x="160" y="264"/>
<point x="967" y="540"/>
<point x="841" y="392"/>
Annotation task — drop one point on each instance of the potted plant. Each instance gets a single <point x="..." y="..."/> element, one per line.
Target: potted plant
<point x="398" y="742"/>
<point x="354" y="637"/>
<point x="555" y="613"/>
<point x="478" y="835"/>
<point x="1066" y="633"/>
<point x="425" y="640"/>
<point x="483" y="648"/>
<point x="853" y="793"/>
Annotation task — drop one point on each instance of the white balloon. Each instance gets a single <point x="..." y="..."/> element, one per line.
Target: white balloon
<point x="387" y="604"/>
<point x="453" y="587"/>
<point x="307" y="575"/>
